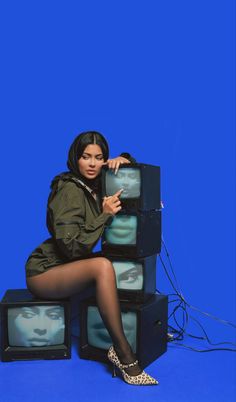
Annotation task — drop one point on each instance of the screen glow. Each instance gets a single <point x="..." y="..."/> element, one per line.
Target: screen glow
<point x="98" y="335"/>
<point x="126" y="178"/>
<point x="129" y="275"/>
<point x="122" y="230"/>
<point x="37" y="326"/>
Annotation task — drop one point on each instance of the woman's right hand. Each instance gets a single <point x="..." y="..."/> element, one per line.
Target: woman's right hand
<point x="112" y="205"/>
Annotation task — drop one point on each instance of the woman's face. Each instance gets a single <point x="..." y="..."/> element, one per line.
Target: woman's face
<point x="91" y="161"/>
<point x="126" y="178"/>
<point x="39" y="326"/>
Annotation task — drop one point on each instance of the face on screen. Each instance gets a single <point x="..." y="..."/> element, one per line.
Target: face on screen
<point x="122" y="230"/>
<point x="98" y="335"/>
<point x="36" y="326"/>
<point x="129" y="275"/>
<point x="126" y="178"/>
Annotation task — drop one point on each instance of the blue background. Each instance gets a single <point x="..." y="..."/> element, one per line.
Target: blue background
<point x="157" y="78"/>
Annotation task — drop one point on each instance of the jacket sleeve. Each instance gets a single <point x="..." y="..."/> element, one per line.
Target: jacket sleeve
<point x="75" y="233"/>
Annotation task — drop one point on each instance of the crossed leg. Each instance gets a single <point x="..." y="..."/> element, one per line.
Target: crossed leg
<point x="68" y="279"/>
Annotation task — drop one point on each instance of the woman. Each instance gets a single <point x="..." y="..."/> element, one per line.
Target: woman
<point x="76" y="218"/>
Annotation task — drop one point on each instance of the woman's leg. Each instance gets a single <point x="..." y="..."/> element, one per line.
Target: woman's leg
<point x="67" y="279"/>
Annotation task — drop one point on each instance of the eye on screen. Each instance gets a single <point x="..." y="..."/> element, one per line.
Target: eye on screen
<point x="129" y="275"/>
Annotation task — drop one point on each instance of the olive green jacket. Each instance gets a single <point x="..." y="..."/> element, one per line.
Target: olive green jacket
<point x="75" y="221"/>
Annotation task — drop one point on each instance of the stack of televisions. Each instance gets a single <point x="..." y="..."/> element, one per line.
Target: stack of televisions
<point x="132" y="241"/>
<point x="41" y="329"/>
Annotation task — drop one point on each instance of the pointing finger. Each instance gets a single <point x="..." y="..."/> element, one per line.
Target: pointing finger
<point x="118" y="193"/>
<point x="117" y="167"/>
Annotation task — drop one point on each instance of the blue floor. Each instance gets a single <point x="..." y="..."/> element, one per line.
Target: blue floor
<point x="183" y="376"/>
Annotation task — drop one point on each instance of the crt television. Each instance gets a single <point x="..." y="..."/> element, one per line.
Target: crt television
<point x="136" y="234"/>
<point x="140" y="183"/>
<point x="32" y="328"/>
<point x="145" y="326"/>
<point x="135" y="278"/>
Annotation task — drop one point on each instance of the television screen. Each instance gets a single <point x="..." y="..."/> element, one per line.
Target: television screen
<point x="36" y="325"/>
<point x="135" y="278"/>
<point x="145" y="326"/>
<point x="140" y="183"/>
<point x="129" y="179"/>
<point x="129" y="275"/>
<point x="122" y="230"/>
<point x="137" y="234"/>
<point x="98" y="335"/>
<point x="32" y="328"/>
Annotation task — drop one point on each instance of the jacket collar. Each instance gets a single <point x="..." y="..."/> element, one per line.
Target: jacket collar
<point x="83" y="185"/>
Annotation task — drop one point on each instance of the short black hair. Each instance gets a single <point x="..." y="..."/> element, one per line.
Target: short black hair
<point x="80" y="143"/>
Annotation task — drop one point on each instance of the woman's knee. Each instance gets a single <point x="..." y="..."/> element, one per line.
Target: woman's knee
<point x="105" y="267"/>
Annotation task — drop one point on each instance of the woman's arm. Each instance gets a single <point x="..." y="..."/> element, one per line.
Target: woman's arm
<point x="75" y="229"/>
<point x="115" y="163"/>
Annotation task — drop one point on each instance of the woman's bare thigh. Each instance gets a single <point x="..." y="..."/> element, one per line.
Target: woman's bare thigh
<point x="65" y="280"/>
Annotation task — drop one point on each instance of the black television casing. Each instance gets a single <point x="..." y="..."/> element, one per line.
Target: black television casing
<point x="152" y="318"/>
<point x="149" y="279"/>
<point x="148" y="237"/>
<point x="150" y="197"/>
<point x="21" y="298"/>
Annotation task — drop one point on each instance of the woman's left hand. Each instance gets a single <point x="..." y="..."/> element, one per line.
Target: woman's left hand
<point x="115" y="163"/>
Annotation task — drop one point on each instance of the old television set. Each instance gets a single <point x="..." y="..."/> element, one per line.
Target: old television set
<point x="34" y="329"/>
<point x="145" y="326"/>
<point x="136" y="234"/>
<point x="135" y="278"/>
<point x="140" y="183"/>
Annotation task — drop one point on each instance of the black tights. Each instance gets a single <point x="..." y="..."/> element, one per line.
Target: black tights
<point x="68" y="279"/>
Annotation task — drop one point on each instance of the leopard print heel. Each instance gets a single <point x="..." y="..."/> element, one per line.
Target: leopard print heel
<point x="140" y="379"/>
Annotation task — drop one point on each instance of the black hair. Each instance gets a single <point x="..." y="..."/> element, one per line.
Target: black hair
<point x="75" y="152"/>
<point x="80" y="143"/>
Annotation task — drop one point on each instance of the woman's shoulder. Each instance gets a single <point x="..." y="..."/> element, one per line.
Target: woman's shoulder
<point x="65" y="179"/>
<point x="65" y="185"/>
<point x="60" y="178"/>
